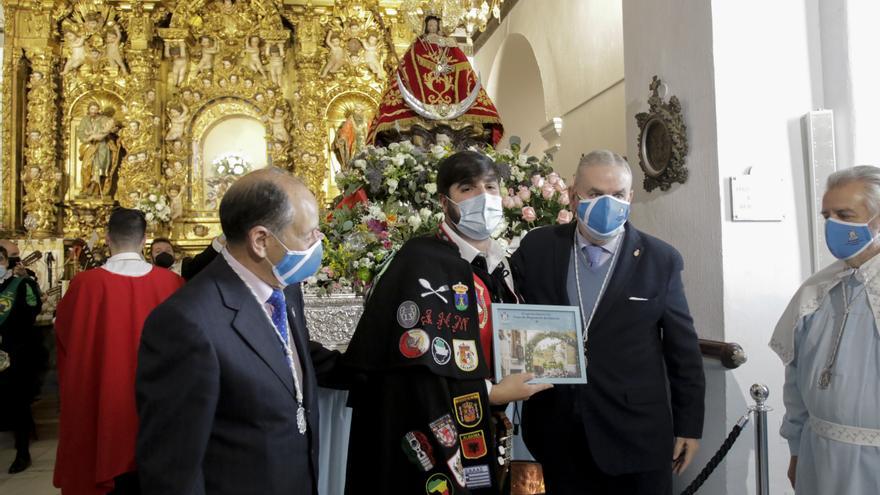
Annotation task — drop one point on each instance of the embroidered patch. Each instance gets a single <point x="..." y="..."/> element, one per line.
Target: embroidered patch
<point x="465" y="354"/>
<point x="477" y="476"/>
<point x="413" y="343"/>
<point x="437" y="292"/>
<point x="461" y="296"/>
<point x="444" y="431"/>
<point x="439" y="484"/>
<point x="418" y="450"/>
<point x="407" y="314"/>
<point x="456" y="468"/>
<point x="468" y="409"/>
<point x="473" y="444"/>
<point x="441" y="351"/>
<point x="482" y="308"/>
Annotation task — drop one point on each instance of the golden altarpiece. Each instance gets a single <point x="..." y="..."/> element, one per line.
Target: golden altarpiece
<point x="113" y="102"/>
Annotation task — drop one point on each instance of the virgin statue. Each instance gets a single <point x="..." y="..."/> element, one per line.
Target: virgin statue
<point x="435" y="90"/>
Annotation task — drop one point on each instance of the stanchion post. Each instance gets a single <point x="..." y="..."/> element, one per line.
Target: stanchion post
<point x="760" y="393"/>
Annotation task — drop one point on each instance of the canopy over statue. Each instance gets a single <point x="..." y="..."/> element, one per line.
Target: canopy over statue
<point x="435" y="90"/>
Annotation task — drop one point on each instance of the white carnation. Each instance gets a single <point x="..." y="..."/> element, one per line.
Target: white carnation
<point x="360" y="163"/>
<point x="153" y="198"/>
<point x="431" y="188"/>
<point x="149" y="216"/>
<point x="392" y="185"/>
<point x="238" y="170"/>
<point x="414" y="221"/>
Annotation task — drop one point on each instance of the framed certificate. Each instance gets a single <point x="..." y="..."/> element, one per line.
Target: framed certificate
<point x="545" y="340"/>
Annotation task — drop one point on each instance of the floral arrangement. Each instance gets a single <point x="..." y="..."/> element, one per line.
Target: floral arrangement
<point x="389" y="195"/>
<point x="230" y="164"/>
<point x="155" y="208"/>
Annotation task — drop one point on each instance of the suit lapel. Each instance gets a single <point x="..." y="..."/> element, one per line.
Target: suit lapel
<point x="561" y="259"/>
<point x="627" y="261"/>
<point x="253" y="325"/>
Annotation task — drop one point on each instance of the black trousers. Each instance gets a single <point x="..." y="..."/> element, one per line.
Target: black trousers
<point x="577" y="474"/>
<point x="22" y="422"/>
<point x="126" y="484"/>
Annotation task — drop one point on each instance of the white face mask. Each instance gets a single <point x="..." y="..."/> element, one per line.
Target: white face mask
<point x="480" y="215"/>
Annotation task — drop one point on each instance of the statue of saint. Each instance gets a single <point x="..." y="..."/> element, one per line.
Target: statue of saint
<point x="98" y="151"/>
<point x="349" y="138"/>
<point x="435" y="87"/>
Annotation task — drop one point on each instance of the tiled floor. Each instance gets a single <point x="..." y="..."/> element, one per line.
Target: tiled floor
<point x="36" y="480"/>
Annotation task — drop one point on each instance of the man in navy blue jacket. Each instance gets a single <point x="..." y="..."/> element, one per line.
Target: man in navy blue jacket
<point x="622" y="432"/>
<point x="227" y="377"/>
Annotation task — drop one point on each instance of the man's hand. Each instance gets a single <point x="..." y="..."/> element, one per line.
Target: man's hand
<point x="792" y="470"/>
<point x="683" y="453"/>
<point x="514" y="387"/>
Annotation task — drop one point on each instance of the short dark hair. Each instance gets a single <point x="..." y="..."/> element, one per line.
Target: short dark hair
<point x="161" y="240"/>
<point x="4" y="253"/>
<point x="126" y="226"/>
<point x="464" y="166"/>
<point x="260" y="202"/>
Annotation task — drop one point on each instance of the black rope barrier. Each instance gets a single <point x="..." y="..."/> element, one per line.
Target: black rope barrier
<point x="718" y="457"/>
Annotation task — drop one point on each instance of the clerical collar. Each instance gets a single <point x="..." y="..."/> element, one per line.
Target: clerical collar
<point x="468" y="252"/>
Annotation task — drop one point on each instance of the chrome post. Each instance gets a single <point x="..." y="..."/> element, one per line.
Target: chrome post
<point x="760" y="393"/>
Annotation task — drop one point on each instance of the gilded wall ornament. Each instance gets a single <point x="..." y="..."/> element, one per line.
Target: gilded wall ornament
<point x="662" y="142"/>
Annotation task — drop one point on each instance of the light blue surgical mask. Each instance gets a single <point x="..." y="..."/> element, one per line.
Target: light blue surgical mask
<point x="2" y="271"/>
<point x="604" y="217"/>
<point x="480" y="215"/>
<point x="296" y="266"/>
<point x="846" y="239"/>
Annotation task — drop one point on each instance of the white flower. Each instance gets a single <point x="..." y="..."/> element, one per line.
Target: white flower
<point x="153" y="198"/>
<point x="311" y="280"/>
<point x="414" y="221"/>
<point x="392" y="185"/>
<point x="160" y="207"/>
<point x="443" y="139"/>
<point x="381" y="151"/>
<point x="425" y="213"/>
<point x="393" y="146"/>
<point x="355" y="264"/>
<point x="431" y="188"/>
<point x="438" y="151"/>
<point x="398" y="160"/>
<point x="238" y="170"/>
<point x="438" y="216"/>
<point x="221" y="169"/>
<point x="149" y="216"/>
<point x="360" y="163"/>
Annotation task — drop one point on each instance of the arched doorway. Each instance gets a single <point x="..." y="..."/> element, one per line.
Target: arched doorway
<point x="516" y="87"/>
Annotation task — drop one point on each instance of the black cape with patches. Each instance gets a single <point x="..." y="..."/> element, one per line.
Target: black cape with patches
<point x="393" y="447"/>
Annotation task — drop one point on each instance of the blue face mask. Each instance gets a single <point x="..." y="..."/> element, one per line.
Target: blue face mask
<point x="604" y="217"/>
<point x="2" y="271"/>
<point x="297" y="266"/>
<point x="846" y="239"/>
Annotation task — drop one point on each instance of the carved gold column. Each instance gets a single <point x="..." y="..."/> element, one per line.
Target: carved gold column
<point x="40" y="175"/>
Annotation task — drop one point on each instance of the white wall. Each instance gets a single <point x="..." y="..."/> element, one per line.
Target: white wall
<point x="578" y="48"/>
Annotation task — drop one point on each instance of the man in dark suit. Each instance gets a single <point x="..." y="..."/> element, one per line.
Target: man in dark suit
<point x="621" y="432"/>
<point x="226" y="381"/>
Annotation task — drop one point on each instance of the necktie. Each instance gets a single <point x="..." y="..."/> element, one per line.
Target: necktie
<point x="279" y="313"/>
<point x="594" y="255"/>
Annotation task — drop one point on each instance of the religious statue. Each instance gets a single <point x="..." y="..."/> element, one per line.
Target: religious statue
<point x="371" y="54"/>
<point x="279" y="127"/>
<point x="209" y="50"/>
<point x="435" y="89"/>
<point x="252" y="55"/>
<point x="275" y="56"/>
<point x="337" y="58"/>
<point x="176" y="51"/>
<point x="112" y="50"/>
<point x="76" y="44"/>
<point x="349" y="138"/>
<point x="98" y="151"/>
<point x="177" y="118"/>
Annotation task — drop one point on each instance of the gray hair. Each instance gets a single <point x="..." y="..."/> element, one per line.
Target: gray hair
<point x="602" y="157"/>
<point x="868" y="175"/>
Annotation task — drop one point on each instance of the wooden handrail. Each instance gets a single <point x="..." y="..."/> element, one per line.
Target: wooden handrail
<point x="730" y="354"/>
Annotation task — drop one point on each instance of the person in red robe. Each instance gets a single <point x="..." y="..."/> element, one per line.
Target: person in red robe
<point x="435" y="86"/>
<point x="98" y="330"/>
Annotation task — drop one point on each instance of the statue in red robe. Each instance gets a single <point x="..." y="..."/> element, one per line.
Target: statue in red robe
<point x="435" y="90"/>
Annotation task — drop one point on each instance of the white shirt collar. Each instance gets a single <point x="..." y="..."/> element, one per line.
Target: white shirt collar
<point x="468" y="252"/>
<point x="261" y="290"/>
<point x="129" y="264"/>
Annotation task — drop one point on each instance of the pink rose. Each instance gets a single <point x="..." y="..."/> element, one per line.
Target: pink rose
<point x="553" y="178"/>
<point x="524" y="193"/>
<point x="561" y="186"/>
<point x="507" y="202"/>
<point x="564" y="216"/>
<point x="528" y="214"/>
<point x="548" y="191"/>
<point x="537" y="180"/>
<point x="517" y="202"/>
<point x="563" y="198"/>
